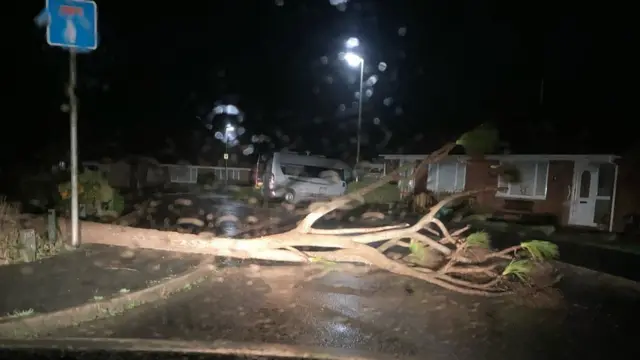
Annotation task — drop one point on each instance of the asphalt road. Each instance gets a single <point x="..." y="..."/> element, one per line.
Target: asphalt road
<point x="351" y="309"/>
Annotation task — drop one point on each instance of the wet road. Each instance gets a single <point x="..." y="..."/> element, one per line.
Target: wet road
<point x="380" y="312"/>
<point x="220" y="214"/>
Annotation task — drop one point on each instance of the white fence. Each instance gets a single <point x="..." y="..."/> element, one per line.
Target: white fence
<point x="188" y="174"/>
<point x="119" y="173"/>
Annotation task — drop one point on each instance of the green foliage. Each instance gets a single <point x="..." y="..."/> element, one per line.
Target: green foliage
<point x="541" y="250"/>
<point x="94" y="192"/>
<point x="479" y="239"/>
<point x="518" y="268"/>
<point x="482" y="140"/>
<point x="536" y="250"/>
<point x="118" y="203"/>
<point x="417" y="250"/>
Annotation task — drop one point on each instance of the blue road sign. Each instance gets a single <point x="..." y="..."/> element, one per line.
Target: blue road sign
<point x="72" y="24"/>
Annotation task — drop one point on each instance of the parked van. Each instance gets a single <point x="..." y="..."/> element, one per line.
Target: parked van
<point x="295" y="177"/>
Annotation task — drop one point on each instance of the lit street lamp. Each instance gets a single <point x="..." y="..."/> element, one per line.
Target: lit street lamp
<point x="228" y="129"/>
<point x="352" y="42"/>
<point x="354" y="60"/>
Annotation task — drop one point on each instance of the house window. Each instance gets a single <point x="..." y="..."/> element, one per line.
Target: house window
<point x="447" y="177"/>
<point x="183" y="174"/>
<point x="533" y="181"/>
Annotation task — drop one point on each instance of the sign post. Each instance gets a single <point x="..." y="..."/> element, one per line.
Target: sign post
<point x="72" y="25"/>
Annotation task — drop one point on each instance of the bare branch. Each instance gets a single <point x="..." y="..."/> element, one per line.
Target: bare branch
<point x="355" y="231"/>
<point x="305" y="226"/>
<point x="432" y="243"/>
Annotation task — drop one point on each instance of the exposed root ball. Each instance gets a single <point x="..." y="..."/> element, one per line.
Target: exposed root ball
<point x="537" y="297"/>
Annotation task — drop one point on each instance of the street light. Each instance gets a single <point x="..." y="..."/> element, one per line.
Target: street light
<point x="352" y="42"/>
<point x="228" y="129"/>
<point x="354" y="60"/>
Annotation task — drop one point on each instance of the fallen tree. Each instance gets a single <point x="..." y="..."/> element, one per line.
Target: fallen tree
<point x="453" y="260"/>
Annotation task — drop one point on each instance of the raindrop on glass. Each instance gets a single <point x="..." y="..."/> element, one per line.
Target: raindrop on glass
<point x="382" y="66"/>
<point x="248" y="150"/>
<point x="372" y="80"/>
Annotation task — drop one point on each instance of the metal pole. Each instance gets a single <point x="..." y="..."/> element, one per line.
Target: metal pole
<point x="360" y="112"/>
<point x="226" y="156"/>
<point x="73" y="120"/>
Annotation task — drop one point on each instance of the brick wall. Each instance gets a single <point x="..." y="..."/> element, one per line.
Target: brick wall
<point x="480" y="175"/>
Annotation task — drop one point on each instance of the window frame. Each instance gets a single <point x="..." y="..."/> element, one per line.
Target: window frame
<point x="183" y="174"/>
<point x="434" y="170"/>
<point x="507" y="195"/>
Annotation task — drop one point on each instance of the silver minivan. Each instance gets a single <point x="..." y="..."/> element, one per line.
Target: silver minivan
<point x="296" y="177"/>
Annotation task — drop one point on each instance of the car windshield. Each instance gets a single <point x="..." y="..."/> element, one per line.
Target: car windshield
<point x="466" y="208"/>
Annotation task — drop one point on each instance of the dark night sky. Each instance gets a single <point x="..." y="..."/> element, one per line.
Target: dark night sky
<point x="460" y="63"/>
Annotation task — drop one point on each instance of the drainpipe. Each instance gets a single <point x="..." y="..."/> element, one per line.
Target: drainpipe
<point x="613" y="198"/>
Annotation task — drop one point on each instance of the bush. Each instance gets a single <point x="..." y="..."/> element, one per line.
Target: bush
<point x="9" y="232"/>
<point x="10" y="244"/>
<point x="95" y="194"/>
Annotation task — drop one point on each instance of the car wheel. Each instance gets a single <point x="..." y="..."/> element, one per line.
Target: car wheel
<point x="290" y="197"/>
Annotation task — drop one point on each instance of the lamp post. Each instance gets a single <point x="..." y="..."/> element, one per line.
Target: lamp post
<point x="229" y="128"/>
<point x="355" y="60"/>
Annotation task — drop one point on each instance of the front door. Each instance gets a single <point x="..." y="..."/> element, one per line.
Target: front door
<point x="584" y="194"/>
